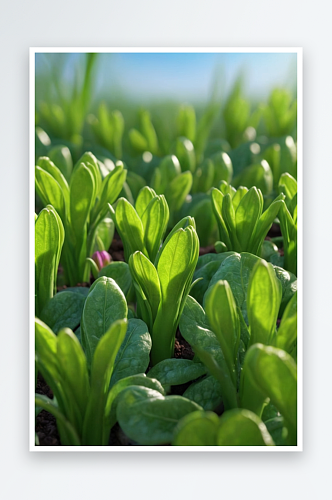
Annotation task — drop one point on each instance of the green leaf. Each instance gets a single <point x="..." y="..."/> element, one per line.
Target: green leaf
<point x="82" y="189"/>
<point x="49" y="237"/>
<point x="205" y="271"/>
<point x="48" y="166"/>
<point x="148" y="418"/>
<point x="177" y="371"/>
<point x="217" y="202"/>
<point x="264" y="223"/>
<point x="74" y="372"/>
<point x="198" y="428"/>
<point x="134" y="354"/>
<point x="130" y="228"/>
<point x="113" y="396"/>
<point x="177" y="190"/>
<point x="207" y="393"/>
<point x="271" y="373"/>
<point x="259" y="175"/>
<point x="101" y="372"/>
<point x="247" y="215"/>
<point x="236" y="270"/>
<point x="223" y="317"/>
<point x="111" y="188"/>
<point x="223" y="169"/>
<point x="120" y="273"/>
<point x="49" y="191"/>
<point x="195" y="329"/>
<point x="155" y="220"/>
<point x="263" y="303"/>
<point x="175" y="269"/>
<point x="240" y="427"/>
<point x="63" y="310"/>
<point x="104" y="305"/>
<point x="144" y="197"/>
<point x="185" y="152"/>
<point x="168" y="169"/>
<point x="148" y="286"/>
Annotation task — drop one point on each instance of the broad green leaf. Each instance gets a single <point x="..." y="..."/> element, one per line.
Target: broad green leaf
<point x="49" y="237"/>
<point x="155" y="220"/>
<point x="168" y="169"/>
<point x="263" y="303"/>
<point x="49" y="191"/>
<point x="228" y="215"/>
<point x="182" y="224"/>
<point x="240" y="427"/>
<point x="287" y="185"/>
<point x="113" y="396"/>
<point x="271" y="373"/>
<point x="48" y="166"/>
<point x="258" y="175"/>
<point x="237" y="197"/>
<point x="111" y="188"/>
<point x="120" y="273"/>
<point x="74" y="373"/>
<point x="104" y="305"/>
<point x="104" y="234"/>
<point x="144" y="197"/>
<point x="247" y="215"/>
<point x="101" y="372"/>
<point x="175" y="269"/>
<point x="195" y="329"/>
<point x="148" y="418"/>
<point x="221" y="311"/>
<point x="217" y="202"/>
<point x="264" y="223"/>
<point x="130" y="228"/>
<point x="185" y="152"/>
<point x="82" y="189"/>
<point x="91" y="162"/>
<point x="177" y="190"/>
<point x="207" y="393"/>
<point x="177" y="371"/>
<point x="63" y="310"/>
<point x="236" y="270"/>
<point x="145" y="274"/>
<point x="223" y="169"/>
<point x="47" y="363"/>
<point x="134" y="354"/>
<point x="198" y="428"/>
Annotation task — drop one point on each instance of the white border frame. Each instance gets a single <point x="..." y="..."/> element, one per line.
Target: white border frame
<point x="33" y="52"/>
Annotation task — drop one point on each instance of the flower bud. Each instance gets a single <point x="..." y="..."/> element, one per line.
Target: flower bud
<point x="101" y="259"/>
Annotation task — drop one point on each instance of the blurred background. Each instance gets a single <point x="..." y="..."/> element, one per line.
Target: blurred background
<point x="226" y="117"/>
<point x="151" y="77"/>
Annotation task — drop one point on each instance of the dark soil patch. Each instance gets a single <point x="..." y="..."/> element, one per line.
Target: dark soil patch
<point x="116" y="248"/>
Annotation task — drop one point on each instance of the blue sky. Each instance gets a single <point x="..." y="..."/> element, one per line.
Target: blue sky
<point x="189" y="76"/>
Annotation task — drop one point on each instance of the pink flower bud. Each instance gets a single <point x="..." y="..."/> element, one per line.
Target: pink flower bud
<point x="102" y="259"/>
